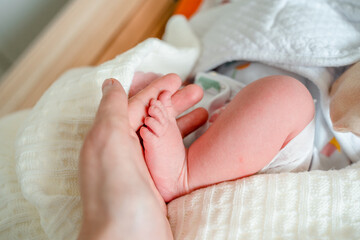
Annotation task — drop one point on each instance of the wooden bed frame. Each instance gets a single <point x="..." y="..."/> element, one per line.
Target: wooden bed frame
<point x="84" y="33"/>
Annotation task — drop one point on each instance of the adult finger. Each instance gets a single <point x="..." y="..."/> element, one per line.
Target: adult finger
<point x="186" y="98"/>
<point x="112" y="112"/>
<point x="113" y="107"/>
<point x="140" y="81"/>
<point x="192" y="121"/>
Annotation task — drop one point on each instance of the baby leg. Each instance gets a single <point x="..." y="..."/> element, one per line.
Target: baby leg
<point x="254" y="127"/>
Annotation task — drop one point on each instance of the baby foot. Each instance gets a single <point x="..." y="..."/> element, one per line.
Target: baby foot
<point x="165" y="153"/>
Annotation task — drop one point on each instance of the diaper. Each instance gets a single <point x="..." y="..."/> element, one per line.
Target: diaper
<point x="296" y="156"/>
<point x="219" y="90"/>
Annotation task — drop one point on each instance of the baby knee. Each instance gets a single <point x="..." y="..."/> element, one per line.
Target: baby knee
<point x="291" y="91"/>
<point x="285" y="83"/>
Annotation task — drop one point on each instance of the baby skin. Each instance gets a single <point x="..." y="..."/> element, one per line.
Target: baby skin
<point x="261" y="119"/>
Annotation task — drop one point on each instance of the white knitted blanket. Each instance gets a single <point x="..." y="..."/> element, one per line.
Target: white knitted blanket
<point x="40" y="200"/>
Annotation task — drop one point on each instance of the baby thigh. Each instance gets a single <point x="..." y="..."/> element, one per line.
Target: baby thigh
<point x="261" y="119"/>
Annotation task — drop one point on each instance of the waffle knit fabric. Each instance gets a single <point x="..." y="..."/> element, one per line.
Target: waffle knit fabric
<point x="318" y="205"/>
<point x="308" y="205"/>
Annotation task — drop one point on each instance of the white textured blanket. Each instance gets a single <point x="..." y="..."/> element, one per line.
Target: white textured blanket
<point x="40" y="200"/>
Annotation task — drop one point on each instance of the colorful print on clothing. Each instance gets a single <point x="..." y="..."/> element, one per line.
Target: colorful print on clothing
<point x="331" y="147"/>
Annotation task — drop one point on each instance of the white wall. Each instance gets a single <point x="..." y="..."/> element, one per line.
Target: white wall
<point x="20" y="22"/>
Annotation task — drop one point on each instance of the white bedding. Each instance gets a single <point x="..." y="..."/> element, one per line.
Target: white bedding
<point x="40" y="200"/>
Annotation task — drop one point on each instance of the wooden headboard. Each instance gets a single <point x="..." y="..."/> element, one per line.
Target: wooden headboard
<point x="85" y="33"/>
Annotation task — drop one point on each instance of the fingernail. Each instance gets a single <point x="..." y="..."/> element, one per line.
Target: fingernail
<point x="108" y="83"/>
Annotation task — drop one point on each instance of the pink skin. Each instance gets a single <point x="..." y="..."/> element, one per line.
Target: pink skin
<point x="254" y="127"/>
<point x="141" y="80"/>
<point x="164" y="148"/>
<point x="142" y="91"/>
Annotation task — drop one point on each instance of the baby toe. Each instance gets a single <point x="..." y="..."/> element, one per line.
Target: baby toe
<point x="157" y="111"/>
<point x="155" y="126"/>
<point x="163" y="108"/>
<point x="146" y="134"/>
<point x="165" y="98"/>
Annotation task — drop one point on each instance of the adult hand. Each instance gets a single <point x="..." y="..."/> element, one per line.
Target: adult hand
<point x="119" y="198"/>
